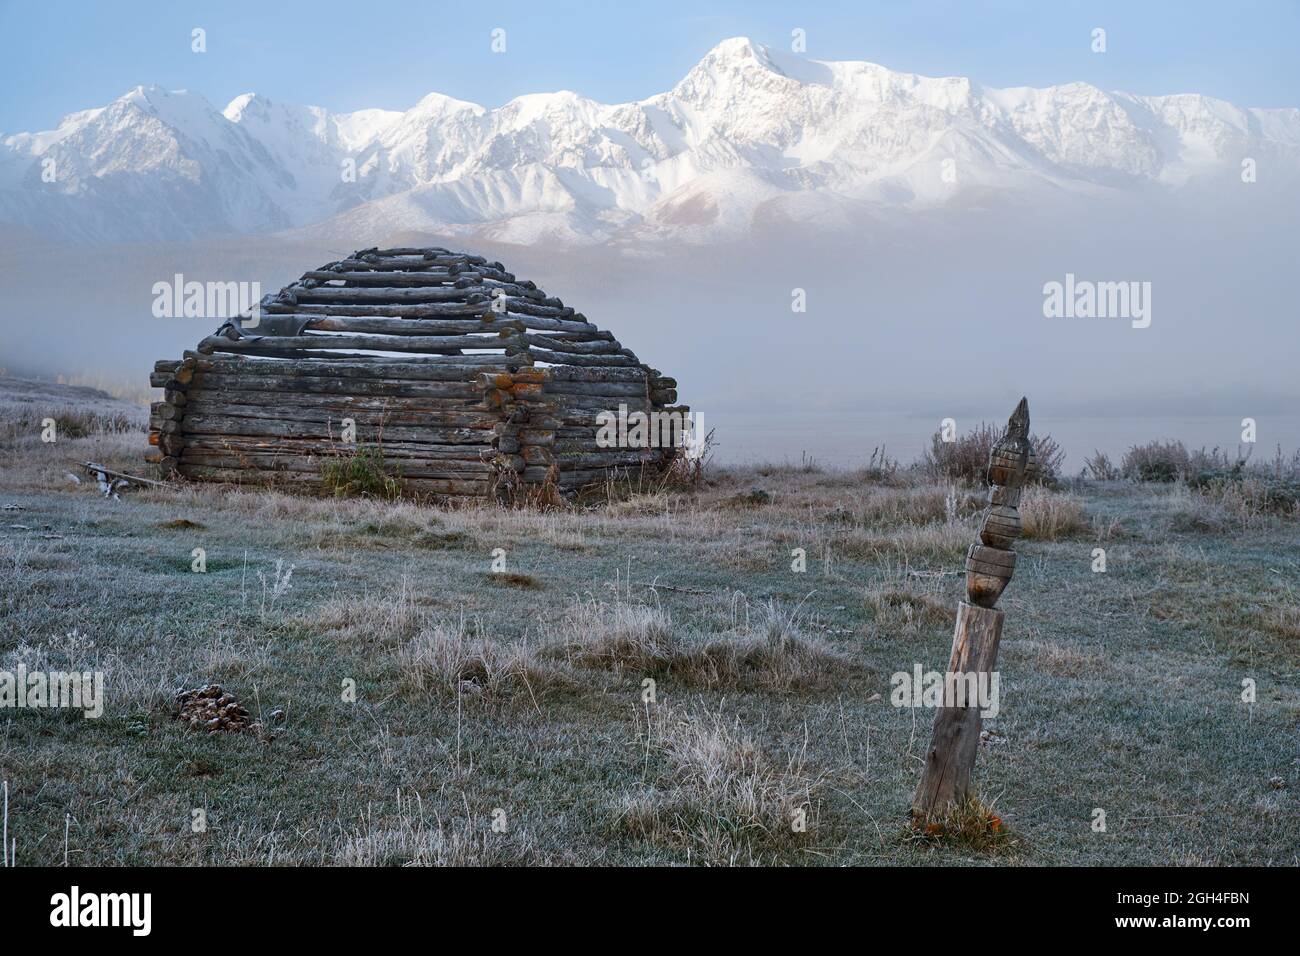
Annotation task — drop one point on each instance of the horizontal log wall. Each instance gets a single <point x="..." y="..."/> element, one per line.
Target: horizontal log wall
<point x="581" y="399"/>
<point x="251" y="420"/>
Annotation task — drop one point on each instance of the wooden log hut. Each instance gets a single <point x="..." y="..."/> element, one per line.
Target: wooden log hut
<point x="466" y="380"/>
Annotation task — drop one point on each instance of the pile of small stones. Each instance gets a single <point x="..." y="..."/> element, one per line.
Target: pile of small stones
<point x="212" y="709"/>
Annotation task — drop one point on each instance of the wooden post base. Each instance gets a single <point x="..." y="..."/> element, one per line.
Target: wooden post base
<point x="946" y="780"/>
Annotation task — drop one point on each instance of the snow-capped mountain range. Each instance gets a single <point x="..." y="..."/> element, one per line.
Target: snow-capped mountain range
<point x="750" y="136"/>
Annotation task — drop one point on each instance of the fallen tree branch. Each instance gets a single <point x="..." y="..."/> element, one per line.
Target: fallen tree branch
<point x="110" y="480"/>
<point x="654" y="585"/>
<point x="98" y="469"/>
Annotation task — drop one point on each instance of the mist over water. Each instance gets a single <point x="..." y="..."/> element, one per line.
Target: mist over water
<point x="848" y="440"/>
<point x="911" y="318"/>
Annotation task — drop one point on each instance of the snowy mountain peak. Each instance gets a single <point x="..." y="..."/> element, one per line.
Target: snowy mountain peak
<point x="750" y="134"/>
<point x="438" y="104"/>
<point x="252" y="103"/>
<point x="739" y="53"/>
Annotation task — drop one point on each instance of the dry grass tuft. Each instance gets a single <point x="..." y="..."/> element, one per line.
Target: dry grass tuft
<point x="406" y="838"/>
<point x="447" y="659"/>
<point x="807" y="465"/>
<point x="633" y="638"/>
<point x="513" y="579"/>
<point x="368" y="616"/>
<point x="1250" y="501"/>
<point x="891" y="506"/>
<point x="656" y="503"/>
<point x="1049" y="516"/>
<point x="719" y="794"/>
<point x="1282" y="620"/>
<point x="971" y="826"/>
<point x="897" y="605"/>
<point x="1061" y="661"/>
<point x="756" y="498"/>
<point x="28" y="422"/>
<point x="619" y="635"/>
<point x="1190" y="512"/>
<point x="940" y="542"/>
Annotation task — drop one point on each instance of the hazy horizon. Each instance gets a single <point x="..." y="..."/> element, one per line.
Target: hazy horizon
<point x="934" y="316"/>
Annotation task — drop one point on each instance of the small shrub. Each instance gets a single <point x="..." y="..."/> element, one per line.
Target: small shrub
<point x="360" y="475"/>
<point x="1247" y="496"/>
<point x="1100" y="467"/>
<point x="1156" y="461"/>
<point x="967" y="458"/>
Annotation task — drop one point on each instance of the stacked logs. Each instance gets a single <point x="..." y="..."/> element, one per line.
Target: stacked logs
<point x="165" y="417"/>
<point x="663" y="389"/>
<point x="989" y="565"/>
<point x="525" y="434"/>
<point x="464" y="374"/>
<point x="579" y="397"/>
<point x="552" y="420"/>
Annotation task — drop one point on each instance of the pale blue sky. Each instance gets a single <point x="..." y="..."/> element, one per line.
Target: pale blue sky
<point x="56" y="57"/>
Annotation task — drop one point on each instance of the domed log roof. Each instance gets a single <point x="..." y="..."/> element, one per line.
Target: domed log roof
<point x="409" y="302"/>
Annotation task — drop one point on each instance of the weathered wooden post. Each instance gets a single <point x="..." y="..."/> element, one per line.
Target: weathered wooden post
<point x="946" y="780"/>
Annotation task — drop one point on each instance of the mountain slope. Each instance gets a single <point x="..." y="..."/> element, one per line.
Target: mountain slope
<point x="748" y="135"/>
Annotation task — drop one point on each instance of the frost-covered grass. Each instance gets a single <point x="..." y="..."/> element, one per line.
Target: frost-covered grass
<point x="421" y="696"/>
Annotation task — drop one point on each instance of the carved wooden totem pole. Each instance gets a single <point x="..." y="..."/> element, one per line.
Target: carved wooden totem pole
<point x="946" y="780"/>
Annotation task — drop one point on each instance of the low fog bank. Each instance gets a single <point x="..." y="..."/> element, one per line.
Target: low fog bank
<point x="910" y="319"/>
